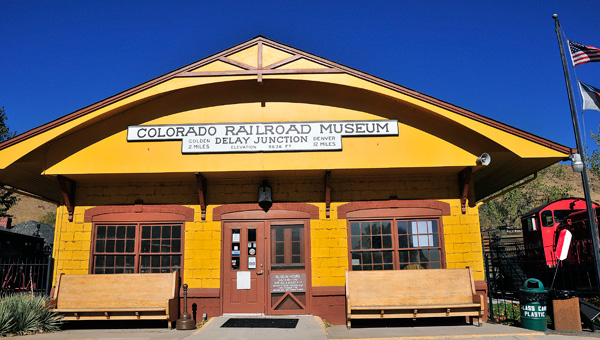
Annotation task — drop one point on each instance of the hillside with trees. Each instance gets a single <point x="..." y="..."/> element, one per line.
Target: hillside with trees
<point x="553" y="183"/>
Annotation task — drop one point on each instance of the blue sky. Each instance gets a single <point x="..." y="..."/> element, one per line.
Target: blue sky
<point x="499" y="59"/>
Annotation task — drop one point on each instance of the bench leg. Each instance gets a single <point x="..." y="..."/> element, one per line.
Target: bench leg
<point x="348" y="324"/>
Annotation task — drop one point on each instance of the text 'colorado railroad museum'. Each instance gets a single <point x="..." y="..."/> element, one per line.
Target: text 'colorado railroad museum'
<point x="352" y="172"/>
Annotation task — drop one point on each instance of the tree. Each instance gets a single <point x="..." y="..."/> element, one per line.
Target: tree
<point x="4" y="130"/>
<point x="49" y="218"/>
<point x="7" y="198"/>
<point x="593" y="159"/>
<point x="507" y="209"/>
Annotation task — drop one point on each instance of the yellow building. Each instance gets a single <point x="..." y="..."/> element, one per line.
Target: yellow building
<point x="354" y="173"/>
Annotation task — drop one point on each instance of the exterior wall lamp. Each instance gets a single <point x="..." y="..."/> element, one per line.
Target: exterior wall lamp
<point x="265" y="201"/>
<point x="576" y="163"/>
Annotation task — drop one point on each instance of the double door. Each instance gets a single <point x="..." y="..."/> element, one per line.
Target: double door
<point x="265" y="267"/>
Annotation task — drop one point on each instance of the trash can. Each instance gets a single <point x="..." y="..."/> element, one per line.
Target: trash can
<point x="533" y="305"/>
<point x="564" y="310"/>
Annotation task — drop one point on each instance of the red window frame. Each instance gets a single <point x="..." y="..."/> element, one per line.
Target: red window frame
<point x="140" y="216"/>
<point x="394" y="211"/>
<point x="420" y="245"/>
<point x="140" y="248"/>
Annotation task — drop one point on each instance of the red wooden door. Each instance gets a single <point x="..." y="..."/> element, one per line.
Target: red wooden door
<point x="243" y="267"/>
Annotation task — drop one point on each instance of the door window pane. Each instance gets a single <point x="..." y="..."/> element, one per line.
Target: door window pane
<point x="287" y="247"/>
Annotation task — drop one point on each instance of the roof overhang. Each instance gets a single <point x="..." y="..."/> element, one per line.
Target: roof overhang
<point x="261" y="71"/>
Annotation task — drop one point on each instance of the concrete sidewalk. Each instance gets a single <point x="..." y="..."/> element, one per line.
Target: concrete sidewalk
<point x="311" y="327"/>
<point x="308" y="327"/>
<point x="487" y="331"/>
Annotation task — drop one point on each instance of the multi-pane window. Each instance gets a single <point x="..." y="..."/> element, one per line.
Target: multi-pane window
<point x="137" y="248"/>
<point x="287" y="247"/>
<point x="115" y="249"/>
<point x="372" y="247"/>
<point x="418" y="244"/>
<point x="395" y="244"/>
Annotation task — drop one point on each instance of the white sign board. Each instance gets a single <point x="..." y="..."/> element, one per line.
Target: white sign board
<point x="243" y="280"/>
<point x="262" y="137"/>
<point x="563" y="243"/>
<point x="288" y="282"/>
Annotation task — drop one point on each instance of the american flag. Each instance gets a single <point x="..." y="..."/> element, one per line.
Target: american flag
<point x="581" y="54"/>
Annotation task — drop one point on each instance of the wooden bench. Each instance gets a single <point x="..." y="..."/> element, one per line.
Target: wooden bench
<point x="117" y="297"/>
<point x="412" y="294"/>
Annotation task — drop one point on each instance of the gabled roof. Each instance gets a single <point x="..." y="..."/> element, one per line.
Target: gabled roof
<point x="195" y="69"/>
<point x="23" y="158"/>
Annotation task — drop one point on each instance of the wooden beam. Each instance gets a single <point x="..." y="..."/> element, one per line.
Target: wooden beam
<point x="255" y="72"/>
<point x="237" y="63"/>
<point x="201" y="183"/>
<point x="327" y="192"/>
<point x="67" y="187"/>
<point x="259" y="62"/>
<point x="464" y="177"/>
<point x="282" y="62"/>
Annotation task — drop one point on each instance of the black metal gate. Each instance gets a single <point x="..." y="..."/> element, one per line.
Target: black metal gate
<point x="25" y="275"/>
<point x="508" y="264"/>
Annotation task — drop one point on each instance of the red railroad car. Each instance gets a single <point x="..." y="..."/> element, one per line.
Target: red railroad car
<point x="540" y="227"/>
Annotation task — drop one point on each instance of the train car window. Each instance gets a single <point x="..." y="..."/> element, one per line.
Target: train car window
<point x="560" y="215"/>
<point x="529" y="224"/>
<point x="546" y="217"/>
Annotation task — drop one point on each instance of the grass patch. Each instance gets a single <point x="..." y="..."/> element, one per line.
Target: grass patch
<point x="327" y="324"/>
<point x="201" y="323"/>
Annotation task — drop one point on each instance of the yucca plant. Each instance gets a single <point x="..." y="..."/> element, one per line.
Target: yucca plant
<point x="7" y="322"/>
<point x="24" y="313"/>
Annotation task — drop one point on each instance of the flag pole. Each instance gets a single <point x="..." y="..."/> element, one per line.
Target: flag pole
<point x="586" y="191"/>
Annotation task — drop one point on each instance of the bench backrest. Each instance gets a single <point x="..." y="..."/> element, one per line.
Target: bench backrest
<point x="116" y="290"/>
<point x="410" y="287"/>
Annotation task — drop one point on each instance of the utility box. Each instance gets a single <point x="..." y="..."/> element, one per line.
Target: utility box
<point x="565" y="311"/>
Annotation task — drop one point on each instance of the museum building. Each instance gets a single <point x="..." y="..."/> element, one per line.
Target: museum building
<point x="263" y="173"/>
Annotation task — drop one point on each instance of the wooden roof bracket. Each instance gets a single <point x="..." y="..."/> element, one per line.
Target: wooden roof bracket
<point x="201" y="182"/>
<point x="464" y="177"/>
<point x="327" y="193"/>
<point x="68" y="187"/>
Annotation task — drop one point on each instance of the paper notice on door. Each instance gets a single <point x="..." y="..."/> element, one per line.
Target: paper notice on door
<point x="243" y="280"/>
<point x="251" y="262"/>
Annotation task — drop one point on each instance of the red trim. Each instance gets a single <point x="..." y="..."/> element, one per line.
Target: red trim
<point x="417" y="208"/>
<point x="464" y="178"/>
<point x="202" y="292"/>
<point x="68" y="192"/>
<point x="142" y="220"/>
<point x="327" y="193"/>
<point x="482" y="289"/>
<point x="201" y="183"/>
<point x="138" y="213"/>
<point x="251" y="211"/>
<point x="329" y="291"/>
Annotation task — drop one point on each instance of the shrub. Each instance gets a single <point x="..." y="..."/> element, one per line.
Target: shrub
<point x="24" y="314"/>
